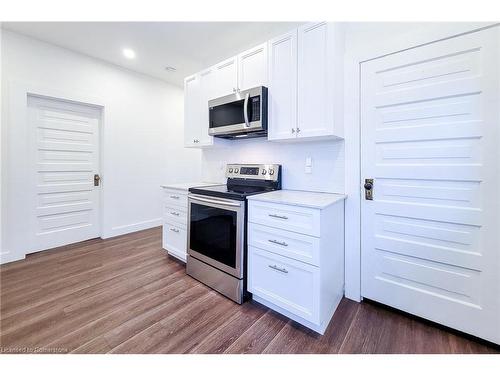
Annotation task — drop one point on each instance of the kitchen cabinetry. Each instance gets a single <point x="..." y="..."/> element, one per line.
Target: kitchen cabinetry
<point x="282" y="93"/>
<point x="198" y="89"/>
<point x="252" y="67"/>
<point x="241" y="72"/>
<point x="296" y="254"/>
<point x="225" y="78"/>
<point x="306" y="83"/>
<point x="174" y="236"/>
<point x="192" y="128"/>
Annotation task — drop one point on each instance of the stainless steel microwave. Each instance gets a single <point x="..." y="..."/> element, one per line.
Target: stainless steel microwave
<point x="239" y="115"/>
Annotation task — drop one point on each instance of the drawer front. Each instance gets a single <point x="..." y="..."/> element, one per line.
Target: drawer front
<point x="291" y="285"/>
<point x="293" y="218"/>
<point x="175" y="198"/>
<point x="175" y="240"/>
<point x="175" y="215"/>
<point x="289" y="244"/>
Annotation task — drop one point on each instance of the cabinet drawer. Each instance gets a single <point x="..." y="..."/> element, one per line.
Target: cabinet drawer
<point x="175" y="215"/>
<point x="175" y="198"/>
<point x="175" y="240"/>
<point x="289" y="244"/>
<point x="293" y="218"/>
<point x="289" y="284"/>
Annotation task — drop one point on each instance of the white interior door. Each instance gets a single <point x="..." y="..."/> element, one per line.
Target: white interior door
<point x="64" y="154"/>
<point x="430" y="238"/>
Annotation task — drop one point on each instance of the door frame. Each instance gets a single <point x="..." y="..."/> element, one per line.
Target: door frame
<point x="352" y="130"/>
<point x="16" y="207"/>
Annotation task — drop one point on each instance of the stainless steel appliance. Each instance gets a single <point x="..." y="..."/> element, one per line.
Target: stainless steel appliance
<point x="242" y="114"/>
<point x="217" y="245"/>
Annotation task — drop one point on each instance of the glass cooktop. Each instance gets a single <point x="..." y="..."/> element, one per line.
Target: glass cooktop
<point x="238" y="192"/>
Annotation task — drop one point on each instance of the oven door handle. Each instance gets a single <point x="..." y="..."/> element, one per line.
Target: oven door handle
<point x="245" y="109"/>
<point x="224" y="203"/>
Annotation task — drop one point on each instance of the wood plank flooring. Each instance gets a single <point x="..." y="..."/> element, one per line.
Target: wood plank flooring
<point x="125" y="295"/>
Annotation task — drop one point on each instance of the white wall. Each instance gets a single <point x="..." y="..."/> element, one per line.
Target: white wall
<point x="327" y="159"/>
<point x="142" y="137"/>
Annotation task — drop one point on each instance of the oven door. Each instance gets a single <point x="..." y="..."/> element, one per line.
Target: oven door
<point x="241" y="112"/>
<point x="216" y="232"/>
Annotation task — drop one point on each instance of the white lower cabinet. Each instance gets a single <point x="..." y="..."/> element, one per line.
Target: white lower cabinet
<point x="175" y="240"/>
<point x="296" y="259"/>
<point x="175" y="207"/>
<point x="287" y="283"/>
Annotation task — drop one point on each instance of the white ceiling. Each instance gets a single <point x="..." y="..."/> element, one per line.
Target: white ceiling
<point x="187" y="46"/>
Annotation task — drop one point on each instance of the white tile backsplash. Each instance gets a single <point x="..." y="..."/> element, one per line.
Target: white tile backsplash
<point x="327" y="162"/>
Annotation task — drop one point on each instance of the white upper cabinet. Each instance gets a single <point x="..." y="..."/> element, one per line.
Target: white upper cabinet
<point x="206" y="89"/>
<point x="282" y="94"/>
<point x="252" y="67"/>
<point x="320" y="81"/>
<point x="225" y="80"/>
<point x="197" y="91"/>
<point x="303" y="70"/>
<point x="191" y="110"/>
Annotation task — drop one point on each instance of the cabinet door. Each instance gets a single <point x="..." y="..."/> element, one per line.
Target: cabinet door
<point x="225" y="79"/>
<point x="315" y="84"/>
<point x="191" y="111"/>
<point x="282" y="95"/>
<point x="206" y="89"/>
<point x="252" y="67"/>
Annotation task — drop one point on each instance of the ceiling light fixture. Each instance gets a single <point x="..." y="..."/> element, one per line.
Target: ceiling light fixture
<point x="129" y="53"/>
<point x="170" y="69"/>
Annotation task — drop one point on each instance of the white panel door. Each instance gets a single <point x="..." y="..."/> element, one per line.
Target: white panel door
<point x="315" y="83"/>
<point x="225" y="78"/>
<point x="282" y="94"/>
<point x="430" y="140"/>
<point x="64" y="151"/>
<point x="252" y="67"/>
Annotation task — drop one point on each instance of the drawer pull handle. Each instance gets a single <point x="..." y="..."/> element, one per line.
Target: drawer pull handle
<point x="174" y="197"/>
<point x="175" y="213"/>
<point x="278" y="242"/>
<point x="275" y="267"/>
<point x="174" y="230"/>
<point x="279" y="216"/>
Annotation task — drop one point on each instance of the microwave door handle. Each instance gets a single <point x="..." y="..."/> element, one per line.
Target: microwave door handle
<point x="245" y="109"/>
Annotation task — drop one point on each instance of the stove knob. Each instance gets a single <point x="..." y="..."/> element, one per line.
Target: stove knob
<point x="236" y="170"/>
<point x="230" y="170"/>
<point x="264" y="172"/>
<point x="271" y="172"/>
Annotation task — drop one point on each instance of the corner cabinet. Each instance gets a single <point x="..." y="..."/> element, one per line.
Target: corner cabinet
<point x="198" y="90"/>
<point x="306" y="83"/>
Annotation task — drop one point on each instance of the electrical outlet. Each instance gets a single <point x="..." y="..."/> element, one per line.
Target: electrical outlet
<point x="308" y="166"/>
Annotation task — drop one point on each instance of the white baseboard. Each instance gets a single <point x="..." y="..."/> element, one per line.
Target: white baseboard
<point x="8" y="257"/>
<point x="129" y="228"/>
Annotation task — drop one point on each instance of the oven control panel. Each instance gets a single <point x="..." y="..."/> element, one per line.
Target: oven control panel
<point x="253" y="171"/>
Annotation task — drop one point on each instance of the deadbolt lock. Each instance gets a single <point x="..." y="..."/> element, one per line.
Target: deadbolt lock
<point x="97" y="179"/>
<point x="368" y="189"/>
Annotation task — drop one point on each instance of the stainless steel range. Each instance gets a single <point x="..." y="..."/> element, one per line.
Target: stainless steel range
<point x="217" y="238"/>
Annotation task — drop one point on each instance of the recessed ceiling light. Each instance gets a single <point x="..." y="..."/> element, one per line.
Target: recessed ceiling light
<point x="128" y="53"/>
<point x="170" y="69"/>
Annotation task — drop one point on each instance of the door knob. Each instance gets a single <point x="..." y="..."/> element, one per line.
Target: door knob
<point x="368" y="189"/>
<point x="97" y="179"/>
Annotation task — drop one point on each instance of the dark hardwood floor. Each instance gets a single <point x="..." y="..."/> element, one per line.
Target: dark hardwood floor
<point x="125" y="295"/>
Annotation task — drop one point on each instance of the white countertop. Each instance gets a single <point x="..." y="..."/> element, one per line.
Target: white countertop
<point x="184" y="186"/>
<point x="299" y="198"/>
